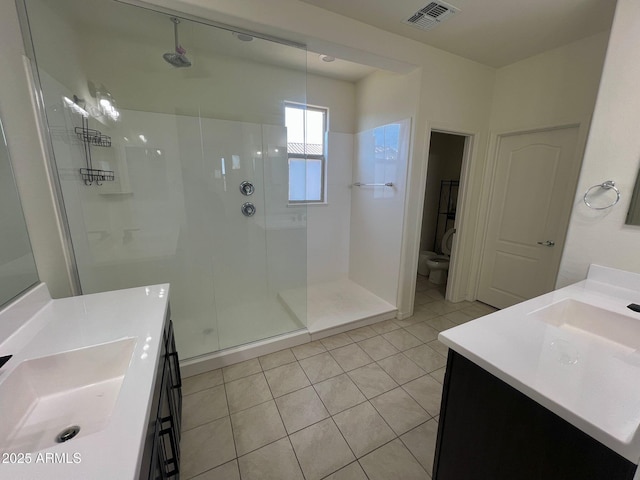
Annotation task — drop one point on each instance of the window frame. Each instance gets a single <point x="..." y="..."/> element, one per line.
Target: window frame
<point x="322" y="157"/>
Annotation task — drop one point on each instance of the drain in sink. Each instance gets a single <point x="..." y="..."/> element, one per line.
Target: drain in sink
<point x="67" y="434"/>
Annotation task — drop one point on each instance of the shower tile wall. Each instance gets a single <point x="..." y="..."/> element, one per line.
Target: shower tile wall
<point x="377" y="213"/>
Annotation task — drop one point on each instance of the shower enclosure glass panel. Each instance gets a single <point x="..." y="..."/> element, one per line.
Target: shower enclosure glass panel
<point x="169" y="149"/>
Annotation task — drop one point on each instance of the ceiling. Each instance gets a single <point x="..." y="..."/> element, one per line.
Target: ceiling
<point x="492" y="32"/>
<point x="143" y="26"/>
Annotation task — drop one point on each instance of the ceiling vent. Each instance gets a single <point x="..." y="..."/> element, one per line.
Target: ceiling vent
<point x="432" y="15"/>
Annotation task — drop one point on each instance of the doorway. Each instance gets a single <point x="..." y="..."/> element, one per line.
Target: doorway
<point x="444" y="168"/>
<point x="534" y="184"/>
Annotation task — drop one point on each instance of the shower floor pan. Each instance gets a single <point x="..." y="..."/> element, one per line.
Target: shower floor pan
<point x="333" y="307"/>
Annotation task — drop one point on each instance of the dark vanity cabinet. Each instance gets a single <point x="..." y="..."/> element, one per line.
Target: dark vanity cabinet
<point x="161" y="456"/>
<point x="488" y="430"/>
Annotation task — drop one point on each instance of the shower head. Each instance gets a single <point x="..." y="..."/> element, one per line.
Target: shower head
<point x="177" y="58"/>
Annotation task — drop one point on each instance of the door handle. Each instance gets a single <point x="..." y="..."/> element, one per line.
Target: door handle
<point x="547" y="243"/>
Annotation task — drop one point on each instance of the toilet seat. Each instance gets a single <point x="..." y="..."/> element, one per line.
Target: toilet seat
<point x="447" y="241"/>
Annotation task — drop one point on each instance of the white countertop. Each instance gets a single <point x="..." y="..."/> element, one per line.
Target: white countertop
<point x="66" y="324"/>
<point x="591" y="382"/>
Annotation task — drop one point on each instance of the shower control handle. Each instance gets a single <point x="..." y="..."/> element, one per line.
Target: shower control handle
<point x="247" y="188"/>
<point x="248" y="209"/>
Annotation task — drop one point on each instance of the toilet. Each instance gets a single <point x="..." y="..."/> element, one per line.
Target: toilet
<point x="439" y="264"/>
<point x="423" y="268"/>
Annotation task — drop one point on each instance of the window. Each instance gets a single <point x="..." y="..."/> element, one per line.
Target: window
<point x="306" y="146"/>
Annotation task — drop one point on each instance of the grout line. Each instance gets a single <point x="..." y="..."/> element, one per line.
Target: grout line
<point x="233" y="436"/>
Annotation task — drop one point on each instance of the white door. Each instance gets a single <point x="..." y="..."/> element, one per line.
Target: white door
<point x="533" y="192"/>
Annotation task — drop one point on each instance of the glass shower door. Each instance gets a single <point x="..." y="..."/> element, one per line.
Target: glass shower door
<point x="182" y="145"/>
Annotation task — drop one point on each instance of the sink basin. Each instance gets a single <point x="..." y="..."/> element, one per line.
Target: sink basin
<point x="46" y="395"/>
<point x="584" y="318"/>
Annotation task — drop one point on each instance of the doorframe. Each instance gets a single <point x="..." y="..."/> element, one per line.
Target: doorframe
<point x="462" y="248"/>
<point x="488" y="190"/>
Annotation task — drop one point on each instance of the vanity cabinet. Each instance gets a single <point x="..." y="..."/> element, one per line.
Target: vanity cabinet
<point x="489" y="430"/>
<point x="161" y="455"/>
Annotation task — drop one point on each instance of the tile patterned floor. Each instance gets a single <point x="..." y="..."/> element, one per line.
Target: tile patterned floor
<point x="359" y="405"/>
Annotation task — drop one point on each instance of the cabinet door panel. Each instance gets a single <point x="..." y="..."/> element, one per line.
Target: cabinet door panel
<point x="489" y="430"/>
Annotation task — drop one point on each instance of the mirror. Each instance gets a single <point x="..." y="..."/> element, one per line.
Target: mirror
<point x="17" y="265"/>
<point x="633" y="215"/>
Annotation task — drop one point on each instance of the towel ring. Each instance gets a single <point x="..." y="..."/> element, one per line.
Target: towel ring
<point x="607" y="185"/>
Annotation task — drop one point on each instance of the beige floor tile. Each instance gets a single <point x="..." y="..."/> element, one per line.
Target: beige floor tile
<point x="350" y="357"/>
<point x="427" y="392"/>
<point x="203" y="407"/>
<point x="439" y="347"/>
<point x="247" y="392"/>
<point x="439" y="374"/>
<point x="440" y="323"/>
<point x="320" y="367"/>
<point x="241" y="370"/>
<point x="442" y="307"/>
<point x="277" y="359"/>
<point x="458" y="317"/>
<point x="353" y="471"/>
<point x="301" y="409"/>
<point x="363" y="428"/>
<point x="435" y="293"/>
<point x="472" y="312"/>
<point x="426" y="358"/>
<point x="400" y="368"/>
<point x="402" y="340"/>
<point x="228" y="471"/>
<point x="372" y="380"/>
<point x="378" y="347"/>
<point x="421" y="441"/>
<point x="197" y="383"/>
<point x="405" y="322"/>
<point x="392" y="461"/>
<point x="339" y="393"/>
<point x="362" y="333"/>
<point x="308" y="350"/>
<point x="423" y="298"/>
<point x="205" y="447"/>
<point x="422" y="312"/>
<point x="321" y="450"/>
<point x="276" y="461"/>
<point x="385" y="326"/>
<point x="423" y="331"/>
<point x="257" y="426"/>
<point x="399" y="410"/>
<point x="336" y="341"/>
<point x="286" y="379"/>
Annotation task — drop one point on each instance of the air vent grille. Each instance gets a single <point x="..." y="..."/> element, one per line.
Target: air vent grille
<point x="431" y="15"/>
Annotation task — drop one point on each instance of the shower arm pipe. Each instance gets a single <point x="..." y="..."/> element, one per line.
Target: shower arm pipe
<point x="211" y="23"/>
<point x="177" y="46"/>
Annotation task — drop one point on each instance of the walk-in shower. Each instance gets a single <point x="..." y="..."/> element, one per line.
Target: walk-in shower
<point x="189" y="170"/>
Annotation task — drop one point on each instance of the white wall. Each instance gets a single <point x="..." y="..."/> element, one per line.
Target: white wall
<point x="382" y="156"/>
<point x="551" y="88"/>
<point x="612" y="153"/>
